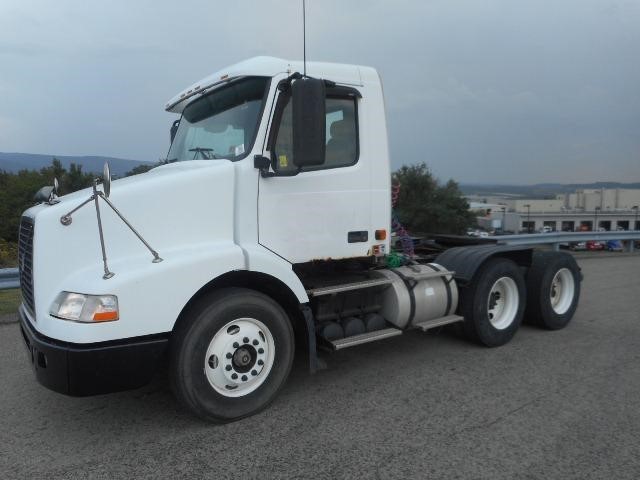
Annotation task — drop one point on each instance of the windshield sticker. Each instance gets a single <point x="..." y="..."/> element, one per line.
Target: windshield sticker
<point x="284" y="162"/>
<point x="239" y="149"/>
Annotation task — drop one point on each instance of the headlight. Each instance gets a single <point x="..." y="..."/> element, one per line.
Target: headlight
<point x="85" y="308"/>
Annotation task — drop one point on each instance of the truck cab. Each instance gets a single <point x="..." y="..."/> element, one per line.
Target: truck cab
<point x="270" y="220"/>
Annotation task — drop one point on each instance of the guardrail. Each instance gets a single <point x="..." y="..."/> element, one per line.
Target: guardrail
<point x="555" y="239"/>
<point x="9" y="278"/>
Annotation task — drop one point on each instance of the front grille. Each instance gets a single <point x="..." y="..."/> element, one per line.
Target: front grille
<point x="25" y="262"/>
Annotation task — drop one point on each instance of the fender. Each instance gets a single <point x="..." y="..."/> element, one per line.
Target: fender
<point x="262" y="260"/>
<point x="465" y="261"/>
<point x="150" y="295"/>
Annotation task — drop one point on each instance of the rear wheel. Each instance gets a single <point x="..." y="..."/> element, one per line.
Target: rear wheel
<point x="553" y="285"/>
<point x="493" y="305"/>
<point x="231" y="354"/>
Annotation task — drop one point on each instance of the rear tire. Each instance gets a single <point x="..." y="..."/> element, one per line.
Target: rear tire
<point x="230" y="354"/>
<point x="493" y="304"/>
<point x="553" y="286"/>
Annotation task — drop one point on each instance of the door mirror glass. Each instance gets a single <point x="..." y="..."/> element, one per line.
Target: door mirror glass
<point x="308" y="121"/>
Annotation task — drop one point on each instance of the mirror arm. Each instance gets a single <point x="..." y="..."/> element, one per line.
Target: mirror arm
<point x="263" y="163"/>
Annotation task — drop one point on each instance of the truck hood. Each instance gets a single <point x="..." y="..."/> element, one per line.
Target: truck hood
<point x="153" y="176"/>
<point x="185" y="205"/>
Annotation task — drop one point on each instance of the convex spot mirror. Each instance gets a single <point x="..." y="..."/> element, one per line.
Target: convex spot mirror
<point x="309" y="121"/>
<point x="106" y="179"/>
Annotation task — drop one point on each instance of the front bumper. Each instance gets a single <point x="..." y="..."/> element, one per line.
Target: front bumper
<point x="91" y="369"/>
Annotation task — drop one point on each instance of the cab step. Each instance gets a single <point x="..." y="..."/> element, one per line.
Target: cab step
<point x="364" y="338"/>
<point x="345" y="287"/>
<point x="438" y="322"/>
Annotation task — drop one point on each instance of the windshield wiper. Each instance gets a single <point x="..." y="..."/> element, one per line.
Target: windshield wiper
<point x="207" y="153"/>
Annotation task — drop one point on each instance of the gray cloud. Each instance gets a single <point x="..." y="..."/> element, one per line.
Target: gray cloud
<point x="491" y="91"/>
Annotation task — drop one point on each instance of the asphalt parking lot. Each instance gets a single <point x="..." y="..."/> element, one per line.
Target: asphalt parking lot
<point x="562" y="404"/>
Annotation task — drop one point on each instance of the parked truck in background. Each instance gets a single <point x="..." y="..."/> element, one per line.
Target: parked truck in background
<point x="269" y="223"/>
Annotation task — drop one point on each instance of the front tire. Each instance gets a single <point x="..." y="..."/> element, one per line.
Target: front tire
<point x="230" y="354"/>
<point x="493" y="304"/>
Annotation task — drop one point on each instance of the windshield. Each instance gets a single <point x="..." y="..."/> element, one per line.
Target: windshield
<point x="221" y="124"/>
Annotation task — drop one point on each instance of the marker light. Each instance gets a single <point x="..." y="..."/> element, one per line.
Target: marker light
<point x="79" y="307"/>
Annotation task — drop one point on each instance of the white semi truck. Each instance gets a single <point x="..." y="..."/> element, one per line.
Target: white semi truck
<point x="269" y="223"/>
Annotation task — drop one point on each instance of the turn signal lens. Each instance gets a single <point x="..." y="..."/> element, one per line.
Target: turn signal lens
<point x="105" y="316"/>
<point x="381" y="234"/>
<point x="79" y="307"/>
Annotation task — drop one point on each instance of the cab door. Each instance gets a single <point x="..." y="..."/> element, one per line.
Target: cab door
<point x="324" y="211"/>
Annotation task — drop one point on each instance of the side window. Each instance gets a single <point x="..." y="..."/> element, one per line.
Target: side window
<point x="341" y="134"/>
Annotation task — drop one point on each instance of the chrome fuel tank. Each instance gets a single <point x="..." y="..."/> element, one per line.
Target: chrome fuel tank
<point x="417" y="293"/>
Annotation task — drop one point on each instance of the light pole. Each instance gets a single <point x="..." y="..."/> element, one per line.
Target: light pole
<point x="595" y="225"/>
<point x="635" y="207"/>
<point x="528" y="217"/>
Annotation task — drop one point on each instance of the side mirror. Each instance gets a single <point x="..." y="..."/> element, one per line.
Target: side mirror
<point x="309" y="121"/>
<point x="174" y="129"/>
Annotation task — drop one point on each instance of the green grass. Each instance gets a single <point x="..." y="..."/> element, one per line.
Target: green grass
<point x="9" y="301"/>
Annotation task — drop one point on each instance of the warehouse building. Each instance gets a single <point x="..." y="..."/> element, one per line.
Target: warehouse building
<point x="593" y="209"/>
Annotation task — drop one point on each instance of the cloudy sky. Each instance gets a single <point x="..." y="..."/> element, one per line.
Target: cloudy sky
<point x="481" y="90"/>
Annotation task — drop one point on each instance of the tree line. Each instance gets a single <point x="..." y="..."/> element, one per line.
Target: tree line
<point x="18" y="189"/>
<point x="423" y="205"/>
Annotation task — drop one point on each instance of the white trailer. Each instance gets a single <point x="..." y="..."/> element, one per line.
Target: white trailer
<point x="270" y="222"/>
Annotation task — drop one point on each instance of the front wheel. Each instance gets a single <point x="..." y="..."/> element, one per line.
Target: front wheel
<point x="231" y="354"/>
<point x="493" y="304"/>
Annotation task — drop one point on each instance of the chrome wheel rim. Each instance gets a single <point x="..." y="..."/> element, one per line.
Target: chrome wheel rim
<point x="502" y="304"/>
<point x="562" y="291"/>
<point x="239" y="357"/>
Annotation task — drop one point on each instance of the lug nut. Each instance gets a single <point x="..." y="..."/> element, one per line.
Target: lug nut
<point x="229" y="356"/>
<point x="228" y="368"/>
<point x="261" y="350"/>
<point x="260" y="362"/>
<point x="245" y="339"/>
<point x="236" y="345"/>
<point x="255" y="342"/>
<point x="234" y="376"/>
<point x="244" y="378"/>
<point x="254" y="373"/>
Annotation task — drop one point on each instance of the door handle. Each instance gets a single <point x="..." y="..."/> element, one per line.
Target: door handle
<point x="358" y="236"/>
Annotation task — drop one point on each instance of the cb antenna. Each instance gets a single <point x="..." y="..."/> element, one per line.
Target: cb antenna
<point x="304" y="40"/>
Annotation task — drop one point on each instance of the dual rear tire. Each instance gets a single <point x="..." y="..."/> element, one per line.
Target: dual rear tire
<point x="500" y="297"/>
<point x="553" y="290"/>
<point x="493" y="304"/>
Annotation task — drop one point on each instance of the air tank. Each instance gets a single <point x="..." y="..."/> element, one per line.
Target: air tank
<point x="417" y="293"/>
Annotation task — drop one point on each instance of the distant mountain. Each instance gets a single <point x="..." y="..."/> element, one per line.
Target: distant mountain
<point x="14" y="162"/>
<point x="539" y="190"/>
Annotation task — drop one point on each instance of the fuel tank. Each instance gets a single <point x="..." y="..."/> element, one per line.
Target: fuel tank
<point x="417" y="293"/>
